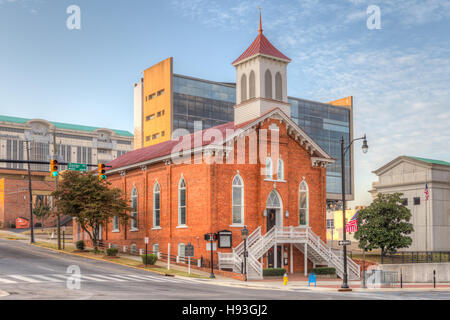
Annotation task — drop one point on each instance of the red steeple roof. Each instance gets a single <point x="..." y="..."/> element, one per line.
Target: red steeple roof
<point x="261" y="46"/>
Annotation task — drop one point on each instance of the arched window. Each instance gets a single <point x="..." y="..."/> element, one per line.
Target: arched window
<point x="134" y="212"/>
<point x="251" y="81"/>
<point x="280" y="172"/>
<point x="278" y="87"/>
<point x="181" y="250"/>
<point x="156" y="205"/>
<point x="182" y="203"/>
<point x="243" y="87"/>
<point x="269" y="171"/>
<point x="273" y="201"/>
<point x="303" y="204"/>
<point x="268" y="84"/>
<point x="238" y="200"/>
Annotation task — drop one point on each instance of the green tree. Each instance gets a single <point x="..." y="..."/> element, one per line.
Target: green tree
<point x="384" y="225"/>
<point x="41" y="210"/>
<point x="91" y="202"/>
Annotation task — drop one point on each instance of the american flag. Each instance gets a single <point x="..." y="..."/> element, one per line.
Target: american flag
<point x="352" y="225"/>
<point x="427" y="193"/>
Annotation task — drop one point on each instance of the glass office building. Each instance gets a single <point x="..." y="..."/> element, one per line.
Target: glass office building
<point x="201" y="100"/>
<point x="212" y="103"/>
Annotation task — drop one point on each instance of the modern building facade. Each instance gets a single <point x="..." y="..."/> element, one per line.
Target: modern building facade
<point x="74" y="143"/>
<point x="430" y="217"/>
<point x="166" y="103"/>
<point x="261" y="171"/>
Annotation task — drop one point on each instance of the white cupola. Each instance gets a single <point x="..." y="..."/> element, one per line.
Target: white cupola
<point x="261" y="74"/>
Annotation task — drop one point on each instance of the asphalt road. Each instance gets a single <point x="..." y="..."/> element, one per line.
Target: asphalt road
<point x="30" y="272"/>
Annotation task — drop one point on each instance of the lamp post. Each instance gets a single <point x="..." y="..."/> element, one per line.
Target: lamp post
<point x="344" y="149"/>
<point x="244" y="233"/>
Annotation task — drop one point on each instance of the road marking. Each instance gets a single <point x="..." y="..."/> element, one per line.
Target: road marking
<point x="109" y="278"/>
<point x="7" y="281"/>
<point x="128" y="277"/>
<point x="46" y="277"/>
<point x="23" y="278"/>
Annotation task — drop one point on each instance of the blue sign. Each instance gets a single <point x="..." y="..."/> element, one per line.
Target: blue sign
<point x="312" y="278"/>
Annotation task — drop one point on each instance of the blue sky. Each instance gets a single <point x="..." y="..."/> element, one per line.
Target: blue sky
<point x="399" y="75"/>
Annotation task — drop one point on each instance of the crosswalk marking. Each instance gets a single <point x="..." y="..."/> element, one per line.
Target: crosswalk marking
<point x="23" y="278"/>
<point x="47" y="278"/>
<point x="40" y="278"/>
<point x="108" y="278"/>
<point x="7" y="281"/>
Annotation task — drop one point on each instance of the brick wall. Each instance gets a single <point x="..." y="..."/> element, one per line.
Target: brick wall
<point x="209" y="203"/>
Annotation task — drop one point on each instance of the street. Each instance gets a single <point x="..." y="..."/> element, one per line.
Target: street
<point x="30" y="272"/>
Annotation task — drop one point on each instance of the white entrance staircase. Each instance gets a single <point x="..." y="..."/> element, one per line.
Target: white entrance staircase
<point x="257" y="245"/>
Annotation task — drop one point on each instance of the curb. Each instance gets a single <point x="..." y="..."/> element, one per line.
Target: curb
<point x="99" y="259"/>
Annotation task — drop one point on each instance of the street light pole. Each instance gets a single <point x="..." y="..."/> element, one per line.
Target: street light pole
<point x="244" y="233"/>
<point x="343" y="151"/>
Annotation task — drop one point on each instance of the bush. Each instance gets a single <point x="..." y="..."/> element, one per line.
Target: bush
<point x="80" y="245"/>
<point x="324" y="270"/>
<point x="150" y="258"/>
<point x="38" y="225"/>
<point x="112" y="252"/>
<point x="274" y="272"/>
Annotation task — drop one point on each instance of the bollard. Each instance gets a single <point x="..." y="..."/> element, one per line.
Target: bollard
<point x="401" y="278"/>
<point x="285" y="279"/>
<point x="434" y="279"/>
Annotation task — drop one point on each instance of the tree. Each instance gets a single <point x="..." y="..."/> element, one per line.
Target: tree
<point x="91" y="202"/>
<point x="41" y="210"/>
<point x="384" y="225"/>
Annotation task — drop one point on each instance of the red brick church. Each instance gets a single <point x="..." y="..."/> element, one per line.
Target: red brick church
<point x="261" y="171"/>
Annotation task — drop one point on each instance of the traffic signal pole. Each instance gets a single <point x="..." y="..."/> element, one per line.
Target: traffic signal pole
<point x="58" y="222"/>
<point x="30" y="194"/>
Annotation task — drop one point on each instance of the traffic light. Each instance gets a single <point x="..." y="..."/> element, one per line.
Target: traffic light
<point x="53" y="167"/>
<point x="101" y="171"/>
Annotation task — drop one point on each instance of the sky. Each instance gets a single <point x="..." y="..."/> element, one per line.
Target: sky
<point x="398" y="74"/>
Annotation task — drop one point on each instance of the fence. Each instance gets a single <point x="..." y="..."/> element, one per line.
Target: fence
<point x="409" y="257"/>
<point x="382" y="279"/>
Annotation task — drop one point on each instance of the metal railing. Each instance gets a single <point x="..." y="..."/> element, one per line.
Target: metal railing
<point x="407" y="257"/>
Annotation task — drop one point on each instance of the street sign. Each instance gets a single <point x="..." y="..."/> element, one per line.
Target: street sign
<point x="77" y="167"/>
<point x="146" y="240"/>
<point x="344" y="243"/>
<point x="189" y="250"/>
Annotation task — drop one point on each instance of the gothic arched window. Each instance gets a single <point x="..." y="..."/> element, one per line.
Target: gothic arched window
<point x="251" y="82"/>
<point x="303" y="204"/>
<point x="243" y="87"/>
<point x="238" y="200"/>
<point x="269" y="171"/>
<point x="278" y="87"/>
<point x="134" y="212"/>
<point x="268" y="84"/>
<point x="156" y="205"/>
<point x="182" y="203"/>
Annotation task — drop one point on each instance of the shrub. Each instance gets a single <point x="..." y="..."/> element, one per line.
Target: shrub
<point x="38" y="225"/>
<point x="112" y="252"/>
<point x="274" y="272"/>
<point x="150" y="258"/>
<point x="324" y="270"/>
<point x="80" y="245"/>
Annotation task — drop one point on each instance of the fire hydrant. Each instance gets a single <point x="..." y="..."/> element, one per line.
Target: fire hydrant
<point x="285" y="279"/>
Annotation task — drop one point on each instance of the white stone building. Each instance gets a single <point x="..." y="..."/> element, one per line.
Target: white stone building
<point x="74" y="143"/>
<point x="430" y="218"/>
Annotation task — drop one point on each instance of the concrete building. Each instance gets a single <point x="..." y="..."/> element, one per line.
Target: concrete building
<point x="74" y="143"/>
<point x="261" y="170"/>
<point x="430" y="218"/>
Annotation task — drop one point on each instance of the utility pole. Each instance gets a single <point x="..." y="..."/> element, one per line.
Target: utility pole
<point x="30" y="194"/>
<point x="56" y="189"/>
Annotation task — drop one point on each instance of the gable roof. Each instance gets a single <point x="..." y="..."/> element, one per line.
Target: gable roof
<point x="67" y="126"/>
<point x="417" y="160"/>
<point x="261" y="45"/>
<point x="163" y="151"/>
